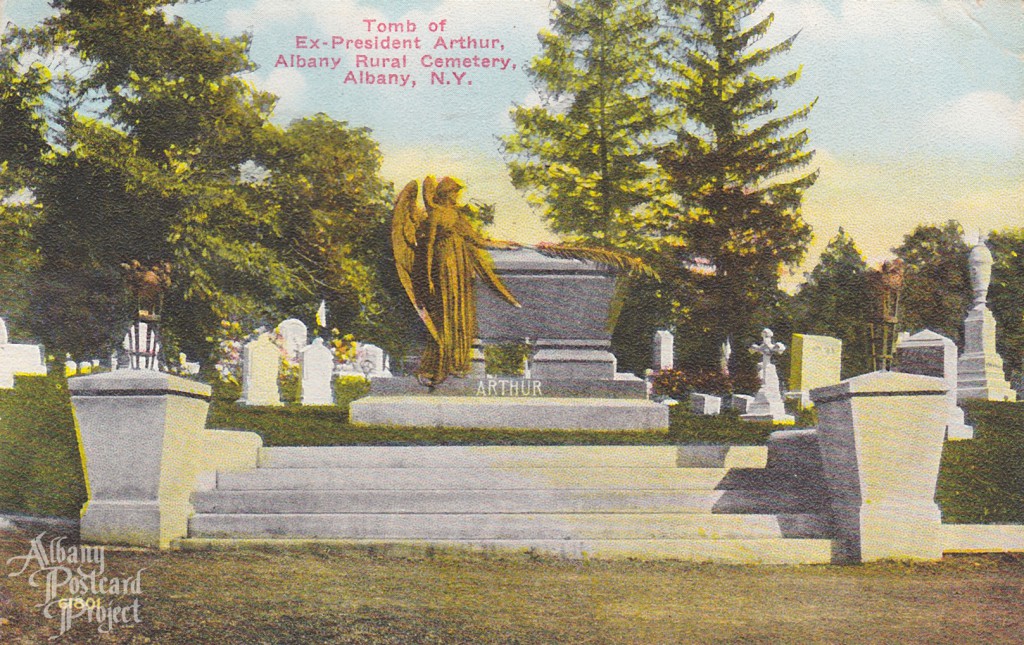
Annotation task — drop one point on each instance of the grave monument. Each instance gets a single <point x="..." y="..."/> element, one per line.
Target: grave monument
<point x="573" y="382"/>
<point x="816" y="361"/>
<point x="767" y="404"/>
<point x="929" y="354"/>
<point x="980" y="370"/>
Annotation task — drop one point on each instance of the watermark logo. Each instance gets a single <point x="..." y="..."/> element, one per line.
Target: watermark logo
<point x="74" y="586"/>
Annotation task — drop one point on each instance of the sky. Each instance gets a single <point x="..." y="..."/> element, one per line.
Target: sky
<point x="919" y="115"/>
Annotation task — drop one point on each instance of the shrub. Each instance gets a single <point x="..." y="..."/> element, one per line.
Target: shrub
<point x="40" y="463"/>
<point x="679" y="384"/>
<point x="506" y="359"/>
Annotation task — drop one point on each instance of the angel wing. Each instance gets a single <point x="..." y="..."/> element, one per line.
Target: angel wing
<point x="406" y="223"/>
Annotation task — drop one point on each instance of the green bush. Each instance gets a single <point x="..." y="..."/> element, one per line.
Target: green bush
<point x="40" y="462"/>
<point x="680" y="384"/>
<point x="506" y="359"/>
<point x="982" y="479"/>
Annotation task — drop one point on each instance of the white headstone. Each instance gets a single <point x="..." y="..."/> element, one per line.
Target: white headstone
<point x="370" y="361"/>
<point x="768" y="404"/>
<point x="18" y="359"/>
<point x="664" y="343"/>
<point x="981" y="373"/>
<point x="929" y="354"/>
<point x="705" y="404"/>
<point x="740" y="402"/>
<point x="261" y="362"/>
<point x="295" y="336"/>
<point x="317" y="374"/>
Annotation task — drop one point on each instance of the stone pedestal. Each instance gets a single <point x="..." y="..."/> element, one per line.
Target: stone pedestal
<point x="980" y="372"/>
<point x="768" y="404"/>
<point x="141" y="434"/>
<point x="881" y="437"/>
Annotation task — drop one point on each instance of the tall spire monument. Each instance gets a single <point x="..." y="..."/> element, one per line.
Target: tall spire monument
<point x="980" y="370"/>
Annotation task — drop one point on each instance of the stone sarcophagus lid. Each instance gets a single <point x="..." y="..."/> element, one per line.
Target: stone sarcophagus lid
<point x="564" y="314"/>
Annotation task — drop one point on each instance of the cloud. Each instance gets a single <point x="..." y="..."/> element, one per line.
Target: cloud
<point x="983" y="121"/>
<point x="289" y="85"/>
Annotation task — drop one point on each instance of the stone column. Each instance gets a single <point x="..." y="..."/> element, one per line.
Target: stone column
<point x="881" y="437"/>
<point x="141" y="434"/>
<point x="981" y="373"/>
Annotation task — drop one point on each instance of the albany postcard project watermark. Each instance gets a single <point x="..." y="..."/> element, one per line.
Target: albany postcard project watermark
<point x="75" y="587"/>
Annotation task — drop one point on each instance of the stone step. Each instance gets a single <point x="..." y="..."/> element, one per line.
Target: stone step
<point x="496" y="478"/>
<point x="515" y="457"/>
<point x="555" y="526"/>
<point x="493" y="501"/>
<point x="730" y="551"/>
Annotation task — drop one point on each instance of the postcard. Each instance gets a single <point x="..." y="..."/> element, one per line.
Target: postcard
<point x="367" y="321"/>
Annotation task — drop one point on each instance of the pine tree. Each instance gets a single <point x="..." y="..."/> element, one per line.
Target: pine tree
<point x="735" y="166"/>
<point x="585" y="153"/>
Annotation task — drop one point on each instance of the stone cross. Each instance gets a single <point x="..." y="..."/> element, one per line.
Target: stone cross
<point x="766" y="349"/>
<point x="3" y="332"/>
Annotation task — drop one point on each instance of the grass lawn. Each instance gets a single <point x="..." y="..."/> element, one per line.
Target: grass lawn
<point x="328" y="426"/>
<point x="415" y="595"/>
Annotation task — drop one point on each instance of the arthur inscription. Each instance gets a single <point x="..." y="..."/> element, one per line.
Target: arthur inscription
<point x="508" y="387"/>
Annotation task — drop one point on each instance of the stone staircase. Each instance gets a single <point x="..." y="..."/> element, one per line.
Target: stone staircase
<point x="704" y="503"/>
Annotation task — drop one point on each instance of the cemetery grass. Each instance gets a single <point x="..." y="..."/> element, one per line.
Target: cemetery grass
<point x="293" y="425"/>
<point x="341" y="594"/>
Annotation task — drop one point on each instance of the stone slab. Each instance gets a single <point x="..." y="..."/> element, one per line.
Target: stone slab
<point x="503" y="387"/>
<point x="473" y="478"/>
<point x="522" y="413"/>
<point x="982" y="538"/>
<point x="757" y="551"/>
<point x="705" y="404"/>
<point x="459" y="501"/>
<point x="514" y="457"/>
<point x="550" y="526"/>
<point x="815" y="361"/>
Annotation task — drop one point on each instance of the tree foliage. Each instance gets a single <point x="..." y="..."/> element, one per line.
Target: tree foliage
<point x="585" y="152"/>
<point x="937" y="285"/>
<point x="140" y="126"/>
<point x="667" y="141"/>
<point x="734" y="163"/>
<point x="1006" y="298"/>
<point x="833" y="302"/>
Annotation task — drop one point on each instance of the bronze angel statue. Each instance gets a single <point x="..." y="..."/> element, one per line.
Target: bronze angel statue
<point x="438" y="254"/>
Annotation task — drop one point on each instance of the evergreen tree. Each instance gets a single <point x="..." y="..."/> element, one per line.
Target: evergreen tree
<point x="734" y="166"/>
<point x="585" y="152"/>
